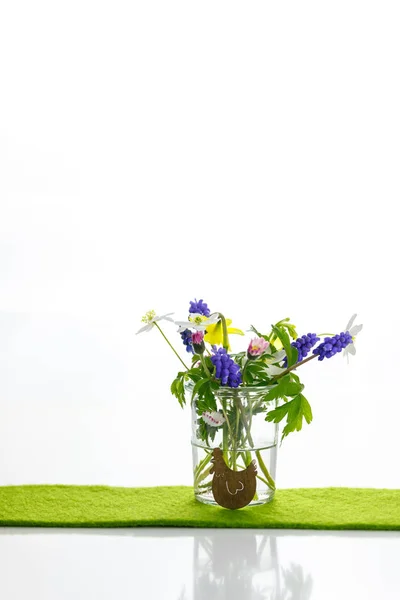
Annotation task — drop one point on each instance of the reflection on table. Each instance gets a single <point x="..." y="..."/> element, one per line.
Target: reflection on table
<point x="244" y="566"/>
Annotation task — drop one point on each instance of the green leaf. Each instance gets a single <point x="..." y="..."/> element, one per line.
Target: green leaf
<point x="285" y="339"/>
<point x="214" y="385"/>
<point x="258" y="334"/>
<point x="295" y="411"/>
<point x="206" y="432"/>
<point x="284" y="387"/>
<point x="276" y="415"/>
<point x="291" y="351"/>
<point x="178" y="388"/>
<point x="285" y="323"/>
<point x="205" y="399"/>
<point x="292" y="331"/>
<point x="198" y="385"/>
<point x="307" y="412"/>
<point x="239" y="358"/>
<point x="248" y="377"/>
<point x="293" y="388"/>
<point x="194" y="374"/>
<point x="295" y="355"/>
<point x="208" y="395"/>
<point x="278" y="390"/>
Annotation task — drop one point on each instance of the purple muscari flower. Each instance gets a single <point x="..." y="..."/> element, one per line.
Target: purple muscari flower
<point x="303" y="345"/>
<point x="333" y="345"/>
<point x="199" y="308"/>
<point x="225" y="368"/>
<point x="187" y="340"/>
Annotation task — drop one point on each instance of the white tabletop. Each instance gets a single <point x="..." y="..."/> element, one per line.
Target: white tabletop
<point x="208" y="564"/>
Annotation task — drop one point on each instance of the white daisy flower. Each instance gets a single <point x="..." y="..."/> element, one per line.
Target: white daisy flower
<point x="197" y="322"/>
<point x="150" y="318"/>
<point x="213" y="418"/>
<point x="353" y="331"/>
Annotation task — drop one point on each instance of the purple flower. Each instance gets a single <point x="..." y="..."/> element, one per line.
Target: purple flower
<point x="187" y="340"/>
<point x="225" y="368"/>
<point x="333" y="345"/>
<point x="199" y="308"/>
<point x="303" y="345"/>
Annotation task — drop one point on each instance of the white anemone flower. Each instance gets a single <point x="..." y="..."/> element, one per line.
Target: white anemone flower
<point x="197" y="322"/>
<point x="274" y="358"/>
<point x="150" y="318"/>
<point x="272" y="363"/>
<point x="353" y="331"/>
<point x="273" y="370"/>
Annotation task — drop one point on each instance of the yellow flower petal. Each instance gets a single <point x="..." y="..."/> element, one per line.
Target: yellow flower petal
<point x="215" y="335"/>
<point x="234" y="330"/>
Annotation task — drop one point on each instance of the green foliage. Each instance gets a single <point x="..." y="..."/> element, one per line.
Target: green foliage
<point x="204" y="400"/>
<point x="198" y="386"/>
<point x="258" y="334"/>
<point x="255" y="373"/>
<point x="291" y="353"/>
<point x="295" y="411"/>
<point x="240" y="358"/>
<point x="178" y="388"/>
<point x="205" y="432"/>
<point x="205" y="395"/>
<point x="195" y="374"/>
<point x="286" y="386"/>
<point x="286" y="324"/>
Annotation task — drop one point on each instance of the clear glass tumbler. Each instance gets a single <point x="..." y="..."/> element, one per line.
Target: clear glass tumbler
<point x="243" y="435"/>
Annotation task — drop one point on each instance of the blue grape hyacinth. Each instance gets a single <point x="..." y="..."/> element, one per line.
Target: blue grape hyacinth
<point x="187" y="340"/>
<point x="333" y="345"/>
<point x="303" y="345"/>
<point x="199" y="307"/>
<point x="225" y="368"/>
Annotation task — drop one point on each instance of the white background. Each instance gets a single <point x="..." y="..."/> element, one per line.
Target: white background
<point x="243" y="152"/>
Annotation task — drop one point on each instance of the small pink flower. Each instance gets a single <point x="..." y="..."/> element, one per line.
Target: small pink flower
<point x="197" y="337"/>
<point x="257" y="347"/>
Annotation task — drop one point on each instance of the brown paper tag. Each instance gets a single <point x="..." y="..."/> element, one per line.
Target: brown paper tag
<point x="232" y="489"/>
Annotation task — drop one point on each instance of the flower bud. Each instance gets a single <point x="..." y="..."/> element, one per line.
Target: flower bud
<point x="198" y="342"/>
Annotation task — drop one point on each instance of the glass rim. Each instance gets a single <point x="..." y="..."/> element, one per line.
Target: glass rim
<point x="226" y="390"/>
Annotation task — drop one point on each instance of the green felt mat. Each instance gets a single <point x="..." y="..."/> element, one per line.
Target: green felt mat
<point x="100" y="506"/>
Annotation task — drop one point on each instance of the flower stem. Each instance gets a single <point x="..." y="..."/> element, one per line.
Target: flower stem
<point x="261" y="463"/>
<point x="201" y="476"/>
<point x="286" y="371"/>
<point x="244" y="370"/>
<point x="170" y="345"/>
<point x="203" y="463"/>
<point x="226" y="418"/>
<point x="225" y="443"/>
<point x="204" y="365"/>
<point x="225" y="339"/>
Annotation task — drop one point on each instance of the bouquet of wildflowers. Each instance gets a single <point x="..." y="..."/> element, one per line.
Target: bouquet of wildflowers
<point x="229" y="392"/>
